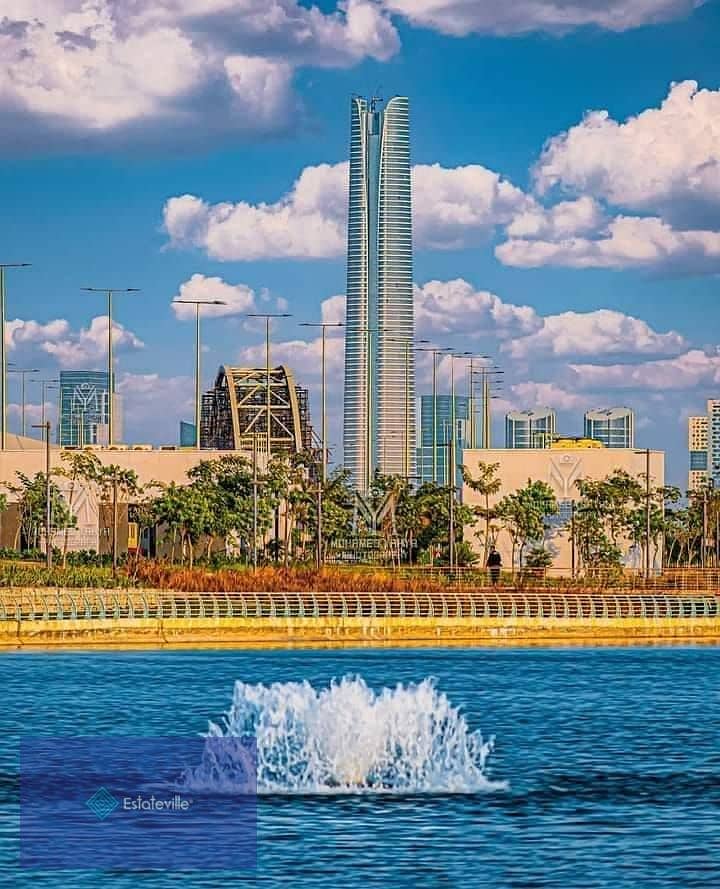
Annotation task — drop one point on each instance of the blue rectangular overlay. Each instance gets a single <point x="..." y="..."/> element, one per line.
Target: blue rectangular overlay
<point x="117" y="803"/>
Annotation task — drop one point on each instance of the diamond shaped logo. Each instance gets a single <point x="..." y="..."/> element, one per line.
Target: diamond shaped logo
<point x="102" y="803"/>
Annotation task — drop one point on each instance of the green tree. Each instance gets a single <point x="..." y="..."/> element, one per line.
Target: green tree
<point x="81" y="468"/>
<point x="487" y="485"/>
<point x="31" y="495"/>
<point x="116" y="484"/>
<point x="523" y="514"/>
<point x="433" y="523"/>
<point x="605" y="515"/>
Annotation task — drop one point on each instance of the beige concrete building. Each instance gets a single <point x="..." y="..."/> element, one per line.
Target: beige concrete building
<point x="163" y="465"/>
<point x="559" y="467"/>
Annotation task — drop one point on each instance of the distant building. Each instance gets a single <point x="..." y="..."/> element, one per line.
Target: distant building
<point x="379" y="359"/>
<point x="530" y="429"/>
<point x="442" y="420"/>
<point x="187" y="434"/>
<point x="614" y="426"/>
<point x="713" y="450"/>
<point x="83" y="409"/>
<point x="235" y="411"/>
<point x="698" y="452"/>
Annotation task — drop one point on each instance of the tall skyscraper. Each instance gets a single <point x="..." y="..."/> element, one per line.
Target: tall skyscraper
<point x="698" y="451"/>
<point x="530" y="429"/>
<point x="83" y="415"/>
<point x="613" y="426"/>
<point x="441" y="419"/>
<point x="379" y="427"/>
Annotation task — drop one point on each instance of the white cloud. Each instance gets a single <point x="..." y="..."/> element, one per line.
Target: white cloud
<point x="664" y="159"/>
<point x="452" y="208"/>
<point x="88" y="346"/>
<point x="564" y="219"/>
<point x="333" y="310"/>
<point x="262" y="90"/>
<point x="76" y="68"/>
<point x="19" y="332"/>
<point x="530" y="394"/>
<point x="236" y="298"/>
<point x="455" y="306"/>
<point x="461" y="17"/>
<point x="627" y="242"/>
<point x="153" y="406"/>
<point x="307" y="223"/>
<point x="304" y="358"/>
<point x="693" y="368"/>
<point x="603" y="331"/>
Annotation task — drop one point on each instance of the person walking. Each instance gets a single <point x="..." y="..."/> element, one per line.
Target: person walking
<point x="494" y="563"/>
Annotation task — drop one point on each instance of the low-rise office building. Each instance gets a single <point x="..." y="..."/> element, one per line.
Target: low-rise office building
<point x="560" y="468"/>
<point x="91" y="532"/>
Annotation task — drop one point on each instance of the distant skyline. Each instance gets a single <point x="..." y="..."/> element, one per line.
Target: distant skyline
<point x="566" y="188"/>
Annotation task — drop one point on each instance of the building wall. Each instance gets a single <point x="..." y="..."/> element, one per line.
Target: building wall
<point x="560" y="468"/>
<point x="163" y="466"/>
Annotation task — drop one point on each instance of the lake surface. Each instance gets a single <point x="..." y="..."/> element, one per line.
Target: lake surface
<point x="605" y="770"/>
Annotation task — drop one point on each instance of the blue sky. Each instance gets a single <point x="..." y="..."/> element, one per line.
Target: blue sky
<point x="111" y="117"/>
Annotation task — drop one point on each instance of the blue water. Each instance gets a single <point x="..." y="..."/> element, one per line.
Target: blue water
<point x="612" y="758"/>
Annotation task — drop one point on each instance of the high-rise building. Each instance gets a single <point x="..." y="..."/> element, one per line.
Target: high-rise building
<point x="187" y="434"/>
<point x="378" y="429"/>
<point x="698" y="451"/>
<point x="83" y="414"/>
<point x="530" y="429"/>
<point x="441" y="419"/>
<point x="713" y="448"/>
<point x="613" y="426"/>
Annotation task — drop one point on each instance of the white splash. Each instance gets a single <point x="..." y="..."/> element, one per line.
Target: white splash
<point x="346" y="738"/>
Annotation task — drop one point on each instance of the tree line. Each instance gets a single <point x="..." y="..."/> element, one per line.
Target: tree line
<point x="283" y="513"/>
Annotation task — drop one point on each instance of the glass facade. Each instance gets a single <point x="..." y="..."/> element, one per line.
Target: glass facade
<point x="378" y="427"/>
<point x="698" y="460"/>
<point x="713" y="451"/>
<point x="442" y="421"/>
<point x="83" y="413"/>
<point x="187" y="434"/>
<point x="530" y="429"/>
<point x="614" y="427"/>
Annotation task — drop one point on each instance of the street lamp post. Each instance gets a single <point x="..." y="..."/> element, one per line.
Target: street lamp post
<point x="453" y="418"/>
<point x="44" y="386"/>
<point x="471" y="396"/>
<point x="324" y="326"/>
<point x="3" y="350"/>
<point x="267" y="316"/>
<point x="48" y="495"/>
<point x="23" y="372"/>
<point x="435" y="352"/>
<point x="646" y="453"/>
<point x="197" y="303"/>
<point x="487" y="376"/>
<point x="110" y="291"/>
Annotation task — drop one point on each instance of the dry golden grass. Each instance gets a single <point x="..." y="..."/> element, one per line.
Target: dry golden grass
<point x="168" y="577"/>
